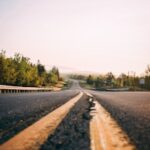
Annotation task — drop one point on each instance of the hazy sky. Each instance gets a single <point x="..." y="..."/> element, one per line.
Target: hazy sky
<point x="79" y="35"/>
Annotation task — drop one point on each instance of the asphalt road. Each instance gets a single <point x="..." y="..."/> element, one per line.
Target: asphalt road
<point x="132" y="111"/>
<point x="17" y="111"/>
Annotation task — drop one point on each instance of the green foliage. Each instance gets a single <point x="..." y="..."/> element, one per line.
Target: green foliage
<point x="90" y="80"/>
<point x="78" y="77"/>
<point x="99" y="82"/>
<point x="110" y="81"/>
<point x="147" y="77"/>
<point x="54" y="77"/>
<point x="55" y="71"/>
<point x="20" y="71"/>
<point x="41" y="69"/>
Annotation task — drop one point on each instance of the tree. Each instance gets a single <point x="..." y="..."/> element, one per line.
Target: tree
<point x="3" y="67"/>
<point x="90" y="80"/>
<point x="109" y="78"/>
<point x="122" y="80"/>
<point x="22" y="68"/>
<point x="147" y="77"/>
<point x="99" y="82"/>
<point x="147" y="71"/>
<point x="11" y="74"/>
<point x="52" y="78"/>
<point x="41" y="68"/>
<point x="56" y="72"/>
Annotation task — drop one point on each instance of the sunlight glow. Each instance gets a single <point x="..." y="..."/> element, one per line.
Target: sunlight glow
<point x="81" y="35"/>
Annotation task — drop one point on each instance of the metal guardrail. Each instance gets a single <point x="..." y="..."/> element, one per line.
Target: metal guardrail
<point x="19" y="89"/>
<point x="118" y="89"/>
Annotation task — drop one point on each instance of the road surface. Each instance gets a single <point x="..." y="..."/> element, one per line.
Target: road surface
<point x="17" y="111"/>
<point x="132" y="112"/>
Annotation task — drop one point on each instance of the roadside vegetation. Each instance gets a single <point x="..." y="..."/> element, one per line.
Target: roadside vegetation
<point x="18" y="70"/>
<point x="109" y="81"/>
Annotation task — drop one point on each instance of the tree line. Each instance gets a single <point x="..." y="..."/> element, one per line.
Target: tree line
<point x="131" y="81"/>
<point x="18" y="70"/>
<point x="109" y="80"/>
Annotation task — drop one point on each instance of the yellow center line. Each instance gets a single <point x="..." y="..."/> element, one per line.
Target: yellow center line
<point x="105" y="133"/>
<point x="35" y="135"/>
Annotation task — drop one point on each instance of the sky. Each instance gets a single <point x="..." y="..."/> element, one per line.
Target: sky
<point x="78" y="35"/>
